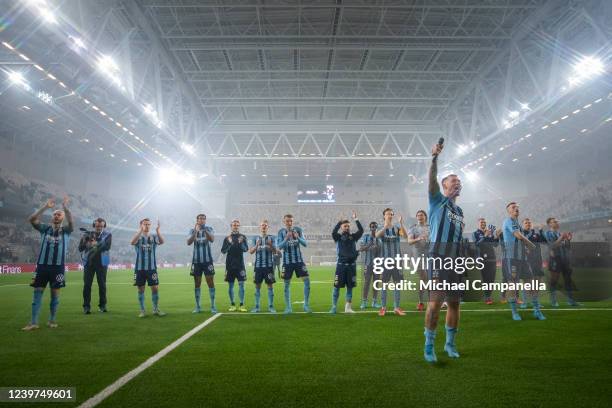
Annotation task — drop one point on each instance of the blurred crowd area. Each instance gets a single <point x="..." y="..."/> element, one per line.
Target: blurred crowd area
<point x="20" y="196"/>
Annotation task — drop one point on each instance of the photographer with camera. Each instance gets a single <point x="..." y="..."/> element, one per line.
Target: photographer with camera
<point x="94" y="248"/>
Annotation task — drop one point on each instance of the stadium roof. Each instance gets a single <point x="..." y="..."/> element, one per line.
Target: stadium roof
<point x="319" y="87"/>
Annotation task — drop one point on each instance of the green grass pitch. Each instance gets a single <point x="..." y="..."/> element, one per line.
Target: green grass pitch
<point x="300" y="360"/>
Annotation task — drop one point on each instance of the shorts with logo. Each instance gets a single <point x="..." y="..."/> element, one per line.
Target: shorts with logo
<point x="203" y="268"/>
<point x="49" y="274"/>
<point x="298" y="267"/>
<point x="232" y="275"/>
<point x="516" y="269"/>
<point x="447" y="275"/>
<point x="346" y="275"/>
<point x="146" y="276"/>
<point x="265" y="273"/>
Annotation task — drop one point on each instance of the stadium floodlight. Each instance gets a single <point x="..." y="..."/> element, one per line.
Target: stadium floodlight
<point x="586" y="68"/>
<point x="78" y="42"/>
<point x="471" y="176"/>
<point x="107" y="65"/>
<point x="188" y="148"/>
<point x="513" y="114"/>
<point x="525" y="107"/>
<point x="461" y="148"/>
<point x="47" y="15"/>
<point x="17" y="78"/>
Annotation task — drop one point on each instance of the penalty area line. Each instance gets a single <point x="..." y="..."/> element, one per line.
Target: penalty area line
<point x="106" y="392"/>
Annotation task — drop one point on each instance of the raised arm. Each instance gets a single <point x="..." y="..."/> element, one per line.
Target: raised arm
<point x="335" y="234"/>
<point x="282" y="239"/>
<point x="193" y="236"/>
<point x="357" y="235"/>
<point x="434" y="187"/>
<point x="68" y="214"/>
<point x="34" y="219"/>
<point x="210" y="235"/>
<point x="159" y="236"/>
<point x="301" y="238"/>
<point x="136" y="236"/>
<point x="227" y="243"/>
<point x="402" y="229"/>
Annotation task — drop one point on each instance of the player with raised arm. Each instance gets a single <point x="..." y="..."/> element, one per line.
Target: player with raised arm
<point x="370" y="246"/>
<point x="145" y="271"/>
<point x="346" y="266"/>
<point x="202" y="236"/>
<point x="264" y="248"/>
<point x="289" y="240"/>
<point x="559" y="261"/>
<point x="485" y="241"/>
<point x="446" y="229"/>
<point x="50" y="265"/>
<point x="234" y="246"/>
<point x="515" y="256"/>
<point x="390" y="235"/>
<point x="418" y="237"/>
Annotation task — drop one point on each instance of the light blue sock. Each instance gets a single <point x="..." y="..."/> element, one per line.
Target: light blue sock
<point x="349" y="294"/>
<point x="430" y="337"/>
<point x="383" y="298"/>
<point x="231" y="292"/>
<point x="198" y="291"/>
<point x="335" y="295"/>
<point x="513" y="305"/>
<point x="241" y="292"/>
<point x="141" y="298"/>
<point x="287" y="293"/>
<point x="450" y="335"/>
<point x="36" y="303"/>
<point x="270" y="297"/>
<point x="155" y="300"/>
<point x="257" y="297"/>
<point x="535" y="302"/>
<point x="396" y="298"/>
<point x="211" y="293"/>
<point x="53" y="307"/>
<point x="306" y="291"/>
<point x="523" y="296"/>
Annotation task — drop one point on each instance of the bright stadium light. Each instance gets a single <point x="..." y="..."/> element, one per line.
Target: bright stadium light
<point x="525" y="106"/>
<point x="17" y="78"/>
<point x="513" y="114"/>
<point x="47" y="15"/>
<point x="586" y="68"/>
<point x="471" y="176"/>
<point x="461" y="149"/>
<point x="106" y="64"/>
<point x="188" y="148"/>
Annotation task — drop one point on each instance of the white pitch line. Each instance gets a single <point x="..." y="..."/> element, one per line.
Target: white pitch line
<point x="390" y="312"/>
<point x="99" y="397"/>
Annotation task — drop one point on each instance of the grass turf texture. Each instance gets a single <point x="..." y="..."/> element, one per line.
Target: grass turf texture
<point x="299" y="360"/>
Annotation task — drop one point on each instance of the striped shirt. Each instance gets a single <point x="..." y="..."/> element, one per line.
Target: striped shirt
<point x="264" y="256"/>
<point x="535" y="256"/>
<point x="515" y="249"/>
<point x="373" y="246"/>
<point x="53" y="245"/>
<point x="291" y="247"/>
<point x="417" y="231"/>
<point x="445" y="225"/>
<point x="201" y="245"/>
<point x="391" y="242"/>
<point x="145" y="252"/>
<point x="562" y="250"/>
